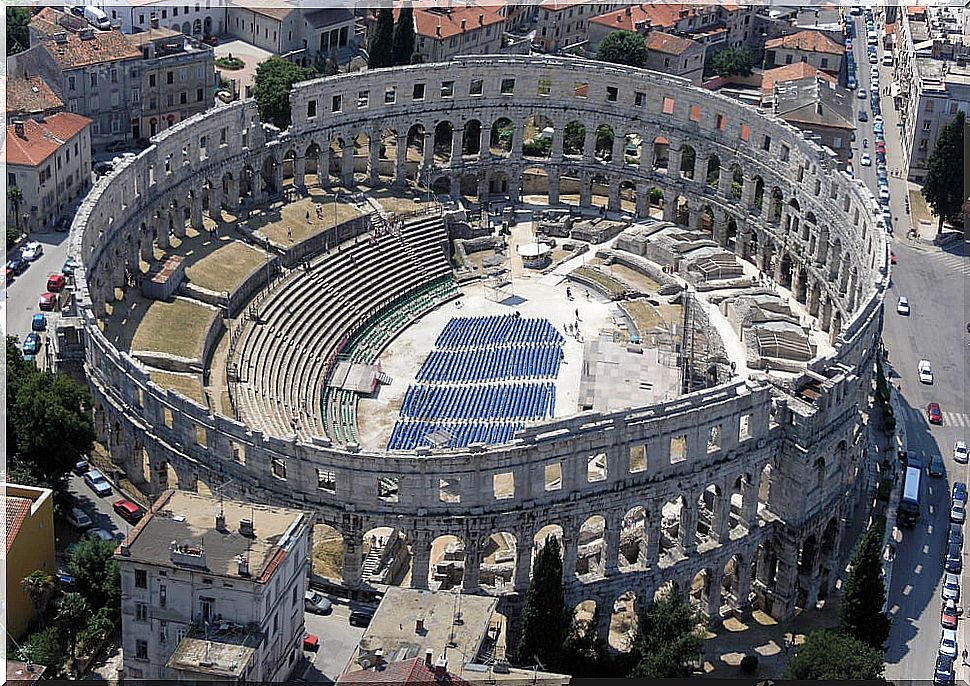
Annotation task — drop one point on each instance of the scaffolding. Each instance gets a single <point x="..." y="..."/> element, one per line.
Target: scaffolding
<point x="498" y="285"/>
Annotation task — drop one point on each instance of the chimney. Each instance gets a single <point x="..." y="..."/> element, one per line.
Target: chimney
<point x="441" y="669"/>
<point x="427" y="658"/>
<point x="242" y="563"/>
<point x="220" y="522"/>
<point x="87" y="34"/>
<point x="60" y="37"/>
<point x="437" y="31"/>
<point x="154" y="21"/>
<point x="629" y="10"/>
<point x="246" y="528"/>
<point x="481" y="20"/>
<point x="418" y="625"/>
<point x="18" y="127"/>
<point x="818" y="108"/>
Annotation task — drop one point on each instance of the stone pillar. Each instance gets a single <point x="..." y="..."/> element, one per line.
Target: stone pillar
<point x="744" y="584"/>
<point x="427" y="158"/>
<point x="687" y="531"/>
<point x="145" y="248"/>
<point x="482" y="184"/>
<point x="523" y="564"/>
<point x="353" y="560"/>
<point x="515" y="184"/>
<point x="643" y="199"/>
<point x="619" y="147"/>
<point x="813" y="298"/>
<point x="420" y="561"/>
<point x="456" y="145"/>
<point x="720" y="228"/>
<point x="611" y="550"/>
<point x="374" y="158"/>
<point x="613" y="201"/>
<point x="696" y="221"/>
<point x="233" y="194"/>
<point x="714" y="594"/>
<point x="557" y="142"/>
<point x="589" y="145"/>
<point x="484" y="141"/>
<point x="178" y="221"/>
<point x="570" y="545"/>
<point x="673" y="160"/>
<point x="473" y="561"/>
<point x="585" y="190"/>
<point x="347" y="165"/>
<point x="654" y="534"/>
<point x="724" y="180"/>
<point x="553" y="176"/>
<point x="299" y="172"/>
<point x="400" y="160"/>
<point x="747" y="191"/>
<point x="749" y="502"/>
<point x="722" y="515"/>
<point x="323" y="167"/>
<point x="277" y="177"/>
<point x="161" y="231"/>
<point x="196" y="217"/>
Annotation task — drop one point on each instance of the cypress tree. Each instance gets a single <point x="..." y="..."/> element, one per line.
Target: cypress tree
<point x="403" y="44"/>
<point x="861" y="615"/>
<point x="943" y="189"/>
<point x="381" y="48"/>
<point x="543" y="623"/>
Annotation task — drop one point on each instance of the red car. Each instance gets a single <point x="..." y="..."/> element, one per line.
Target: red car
<point x="880" y="146"/>
<point x="892" y="257"/>
<point x="128" y="511"/>
<point x="934" y="414"/>
<point x="47" y="302"/>
<point x="10" y="276"/>
<point x="211" y="40"/>
<point x="948" y="615"/>
<point x="311" y="642"/>
<point x="56" y="283"/>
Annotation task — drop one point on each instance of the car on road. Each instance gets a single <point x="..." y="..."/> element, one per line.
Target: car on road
<point x="960" y="454"/>
<point x="862" y="115"/>
<point x="128" y="511"/>
<point x="18" y="265"/>
<point x="934" y="414"/>
<point x="861" y="95"/>
<point x="955" y="535"/>
<point x="954" y="559"/>
<point x="925" y="371"/>
<point x="97" y="482"/>
<point x="47" y="302"/>
<point x="884" y="196"/>
<point x="311" y="642"/>
<point x="62" y="225"/>
<point x="70" y="264"/>
<point x="31" y="344"/>
<point x="892" y="257"/>
<point x="958" y="512"/>
<point x="104" y="535"/>
<point x="79" y="519"/>
<point x="936" y="468"/>
<point x="361" y="617"/>
<point x="959" y="492"/>
<point x="102" y="168"/>
<point x="56" y="283"/>
<point x="866" y="160"/>
<point x="948" y="643"/>
<point x="317" y="603"/>
<point x="31" y="251"/>
<point x="116" y="146"/>
<point x="944" y="674"/>
<point x="948" y="615"/>
<point x="951" y="587"/>
<point x="81" y="467"/>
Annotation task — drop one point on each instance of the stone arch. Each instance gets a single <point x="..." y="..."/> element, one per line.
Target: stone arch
<point x="786" y="270"/>
<point x="268" y="175"/>
<point x="682" y="211"/>
<point x="628" y="196"/>
<point x="661" y="153"/>
<point x="500" y="555"/>
<point x="828" y="548"/>
<point x="538" y="134"/>
<point x="574" y="137"/>
<point x="570" y="187"/>
<point x="197" y="27"/>
<point x="414" y="150"/>
<point x="361" y="142"/>
<point x="701" y="589"/>
<point x="539" y="540"/>
<point x="289" y="164"/>
<point x="584" y="617"/>
<point x="688" y="160"/>
<point x="207" y="26"/>
<point x="441" y="185"/>
<point x="498" y="183"/>
<point x="471" y="138"/>
<point x="713" y="172"/>
<point x="633" y="539"/>
<point x="311" y="162"/>
<point x="656" y="202"/>
<point x="186" y="28"/>
<point x="386" y="556"/>
<point x="623" y="622"/>
<point x="502" y="137"/>
<point x="443" y="133"/>
<point x="777" y="204"/>
<point x="708" y="505"/>
<point x="535" y="183"/>
<point x="599" y="191"/>
<point x="800" y="290"/>
<point x="328" y="551"/>
<point x="666" y="589"/>
<point x="732" y="233"/>
<point x="733" y="582"/>
<point x="591" y="555"/>
<point x="632" y="149"/>
<point x="603" y="146"/>
<point x="673" y="525"/>
<point x="707" y="221"/>
<point x="468" y="185"/>
<point x="446" y="562"/>
<point x="808" y="556"/>
<point x="737" y="181"/>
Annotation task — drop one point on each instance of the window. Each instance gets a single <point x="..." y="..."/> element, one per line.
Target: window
<point x="206" y="606"/>
<point x="141" y="578"/>
<point x="151" y="80"/>
<point x="927" y="125"/>
<point x="719" y="122"/>
<point x="114" y="76"/>
<point x="175" y="11"/>
<point x="163" y="632"/>
<point x="612" y="93"/>
<point x="581" y="89"/>
<point x="639" y="98"/>
<point x="666" y="63"/>
<point x="327" y="481"/>
<point x="447" y="89"/>
<point x="135" y="95"/>
<point x="744" y="428"/>
<point x="766" y="143"/>
<point x="745" y="132"/>
<point x="164" y="14"/>
<point x="141" y="647"/>
<point x="788" y="59"/>
<point x="115" y="98"/>
<point x="418" y="92"/>
<point x="363" y="99"/>
<point x="503" y="485"/>
<point x="183" y="98"/>
<point x="141" y="18"/>
<point x="198" y="95"/>
<point x="668" y="105"/>
<point x="94" y="81"/>
<point x="695" y="113"/>
<point x="545" y="87"/>
<point x="678" y="449"/>
<point x="596" y="468"/>
<point x="162" y="595"/>
<point x="508" y="87"/>
<point x="141" y="612"/>
<point x="170" y="77"/>
<point x="11" y="179"/>
<point x="71" y="83"/>
<point x="311" y="109"/>
<point x="279" y="468"/>
<point x="390" y="95"/>
<point x="825" y="63"/>
<point x="477" y="87"/>
<point x="336" y="103"/>
<point x="170" y="99"/>
<point x="553" y="477"/>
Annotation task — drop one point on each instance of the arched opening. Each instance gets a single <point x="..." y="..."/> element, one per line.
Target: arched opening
<point x="574" y="138"/>
<point x="786" y="271"/>
<point x="335" y="170"/>
<point x="759" y="193"/>
<point x="441" y="186"/>
<point x="186" y="28"/>
<point x="570" y="187"/>
<point x="591" y="557"/>
<point x="737" y="181"/>
<point x="830" y="535"/>
<point x="603" y="149"/>
<point x="808" y="556"/>
<point x="741" y="490"/>
<point x="764" y="486"/>
<point x="468" y="186"/>
<point x="623" y="622"/>
<point x="386" y="557"/>
<point x="682" y="211"/>
<point x="777" y="204"/>
<point x="499" y="556"/>
<point x="713" y="175"/>
<point x="632" y="149"/>
<point x="414" y="150"/>
<point x="537" y="136"/>
<point x="801" y="287"/>
<point x="311" y="164"/>
<point x="600" y="191"/>
<point x="700" y="590"/>
<point x="498" y="185"/>
<point x="661" y="149"/>
<point x="707" y="506"/>
<point x="688" y="159"/>
<point x="443" y="133"/>
<point x="671" y="515"/>
<point x="447" y="563"/>
<point x="535" y="186"/>
<point x="197" y="27"/>
<point x="731" y="586"/>
<point x="707" y="221"/>
<point x="633" y="539"/>
<point x="471" y="139"/>
<point x="207" y="26"/>
<point x="387" y="155"/>
<point x="656" y="209"/>
<point x="328" y="552"/>
<point x="628" y="197"/>
<point x="503" y="133"/>
<point x="361" y="150"/>
<point x="732" y="234"/>
<point x="289" y="163"/>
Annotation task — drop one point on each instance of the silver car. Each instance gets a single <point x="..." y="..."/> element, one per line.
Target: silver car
<point x="960" y="454"/>
<point x="951" y="587"/>
<point x="958" y="513"/>
<point x="79" y="519"/>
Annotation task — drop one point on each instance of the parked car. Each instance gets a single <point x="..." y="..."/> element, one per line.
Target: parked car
<point x="128" y="511"/>
<point x="62" y="225"/>
<point x="103" y="168"/>
<point x="70" y="264"/>
<point x="866" y="160"/>
<point x="38" y="322"/>
<point x="31" y="251"/>
<point x="951" y="587"/>
<point x="361" y="617"/>
<point x="65" y="578"/>
<point x="862" y="114"/>
<point x="892" y="257"/>
<point x="79" y="519"/>
<point x="959" y="492"/>
<point x="18" y="265"/>
<point x="902" y="306"/>
<point x="934" y="414"/>
<point x="958" y="512"/>
<point x="960" y="454"/>
<point x="56" y="283"/>
<point x="81" y="467"/>
<point x="317" y="603"/>
<point x="954" y="559"/>
<point x="211" y="40"/>
<point x="948" y="643"/>
<point x="949" y="615"/>
<point x="311" y="642"/>
<point x="936" y="468"/>
<point x="955" y="535"/>
<point x="105" y="535"/>
<point x="48" y="302"/>
<point x="944" y="674"/>
<point x="97" y="482"/>
<point x="925" y="371"/>
<point x="31" y="344"/>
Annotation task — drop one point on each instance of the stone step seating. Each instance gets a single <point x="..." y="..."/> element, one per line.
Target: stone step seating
<point x="340" y="407"/>
<point x="285" y="356"/>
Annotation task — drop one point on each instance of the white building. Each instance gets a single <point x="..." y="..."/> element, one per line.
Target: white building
<point x="214" y="590"/>
<point x="196" y="18"/>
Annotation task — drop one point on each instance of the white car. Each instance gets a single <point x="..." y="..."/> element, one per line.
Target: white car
<point x="866" y="160"/>
<point x="79" y="519"/>
<point x="31" y="251"/>
<point x="951" y="587"/>
<point x="861" y="95"/>
<point x="902" y="306"/>
<point x="877" y="119"/>
<point x="925" y="371"/>
<point x="884" y="195"/>
<point x="97" y="482"/>
<point x="958" y="512"/>
<point x="960" y="453"/>
<point x="948" y="643"/>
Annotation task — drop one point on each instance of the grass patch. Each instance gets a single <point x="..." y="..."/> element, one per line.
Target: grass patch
<point x="293" y="227"/>
<point x="226" y="267"/>
<point x="175" y="328"/>
<point x="328" y="556"/>
<point x="230" y="63"/>
<point x="186" y="384"/>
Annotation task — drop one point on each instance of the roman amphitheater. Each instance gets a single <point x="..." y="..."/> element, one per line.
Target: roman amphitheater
<point x="457" y="308"/>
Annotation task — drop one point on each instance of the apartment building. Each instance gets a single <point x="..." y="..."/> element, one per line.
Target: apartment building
<point x="675" y="55"/>
<point x="213" y="589"/>
<point x="197" y="18"/>
<point x="562" y="24"/>
<point x="29" y="546"/>
<point x="31" y="97"/>
<point x="277" y="29"/>
<point x="811" y="47"/>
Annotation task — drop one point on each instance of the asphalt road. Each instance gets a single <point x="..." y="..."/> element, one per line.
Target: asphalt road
<point x="932" y="280"/>
<point x="338" y="639"/>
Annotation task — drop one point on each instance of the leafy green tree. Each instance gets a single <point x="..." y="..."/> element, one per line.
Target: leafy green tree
<point x="381" y="49"/>
<point x="403" y="41"/>
<point x="96" y="571"/>
<point x="731" y="61"/>
<point x="72" y="613"/>
<point x="574" y="138"/>
<point x="18" y="33"/>
<point x="44" y="648"/>
<point x="623" y="47"/>
<point x="830" y="655"/>
<point x="668" y="638"/>
<point x="943" y="188"/>
<point x="39" y="586"/>
<point x="97" y="628"/>
<point x="274" y="79"/>
<point x="583" y="652"/>
<point x="15" y="196"/>
<point x="860" y="614"/>
<point x="543" y="623"/>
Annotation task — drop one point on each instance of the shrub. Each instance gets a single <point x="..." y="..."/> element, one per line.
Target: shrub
<point x="749" y="664"/>
<point x="230" y="63"/>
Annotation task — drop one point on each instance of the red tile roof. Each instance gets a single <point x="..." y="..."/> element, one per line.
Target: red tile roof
<point x="104" y="46"/>
<point x="16" y="510"/>
<point x="790" y="72"/>
<point x="669" y="43"/>
<point x="31" y="95"/>
<point x="659" y="16"/>
<point x="413" y="672"/>
<point x="427" y="19"/>
<point x="260" y="7"/>
<point x="808" y="41"/>
<point x="557" y="5"/>
<point x="42" y="139"/>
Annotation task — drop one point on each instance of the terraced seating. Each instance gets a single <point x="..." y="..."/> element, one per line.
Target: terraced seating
<point x="285" y="356"/>
<point x="411" y="435"/>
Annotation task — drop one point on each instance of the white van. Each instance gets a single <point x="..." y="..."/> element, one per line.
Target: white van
<point x="887" y="59"/>
<point x="97" y="18"/>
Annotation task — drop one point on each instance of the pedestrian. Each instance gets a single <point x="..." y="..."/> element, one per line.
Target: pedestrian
<point x="289" y="233"/>
<point x="308" y="216"/>
<point x="587" y="294"/>
<point x="577" y="315"/>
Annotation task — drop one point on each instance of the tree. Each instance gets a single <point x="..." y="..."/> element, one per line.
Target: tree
<point x="96" y="571"/>
<point x="830" y="655"/>
<point x="274" y="79"/>
<point x="583" y="653"/>
<point x="943" y="188"/>
<point x="623" y="47"/>
<point x="543" y="624"/>
<point x="18" y="33"/>
<point x="403" y="43"/>
<point x="72" y="613"/>
<point x="38" y="585"/>
<point x="733" y="61"/>
<point x="97" y="628"/>
<point x="15" y="196"/>
<point x="381" y="50"/>
<point x="44" y="648"/>
<point x="861" y="615"/>
<point x="574" y="138"/>
<point x="667" y="639"/>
